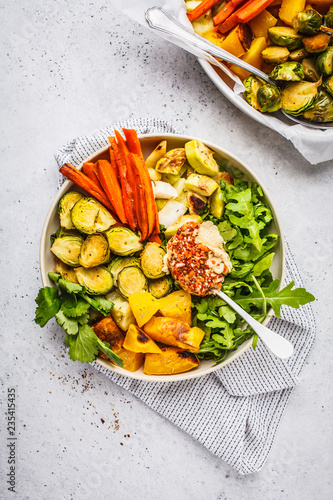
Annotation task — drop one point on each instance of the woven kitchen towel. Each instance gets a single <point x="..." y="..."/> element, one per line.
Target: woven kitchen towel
<point x="236" y="410"/>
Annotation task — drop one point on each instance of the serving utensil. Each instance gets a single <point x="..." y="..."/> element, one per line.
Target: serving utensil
<point x="160" y="20"/>
<point x="277" y="345"/>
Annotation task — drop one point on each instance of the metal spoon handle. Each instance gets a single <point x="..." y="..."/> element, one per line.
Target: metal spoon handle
<point x="160" y="20"/>
<point x="276" y="344"/>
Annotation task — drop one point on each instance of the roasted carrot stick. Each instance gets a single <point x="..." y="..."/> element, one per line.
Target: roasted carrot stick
<point x="244" y="14"/>
<point x="126" y="189"/>
<point x="226" y="11"/>
<point x="201" y="9"/>
<point x="140" y="199"/>
<point x="90" y="170"/>
<point x="133" y="142"/>
<point x="84" y="182"/>
<point x="107" y="176"/>
<point x="154" y="238"/>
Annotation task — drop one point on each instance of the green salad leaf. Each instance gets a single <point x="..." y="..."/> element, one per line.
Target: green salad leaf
<point x="48" y="302"/>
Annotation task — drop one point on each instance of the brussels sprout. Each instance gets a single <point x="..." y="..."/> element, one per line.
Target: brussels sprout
<point x="328" y="85"/>
<point x="329" y="17"/>
<point x="307" y="22"/>
<point x="66" y="203"/>
<point x="94" y="250"/>
<point x="252" y="84"/>
<point x="123" y="241"/>
<point x="325" y="62"/>
<point x="273" y="54"/>
<point x="66" y="272"/>
<point x="269" y="98"/>
<point x="298" y="97"/>
<point x="171" y="162"/>
<point x="322" y="111"/>
<point x="160" y="287"/>
<point x="67" y="249"/>
<point x="290" y="71"/>
<point x="201" y="158"/>
<point x="120" y="263"/>
<point x="310" y="70"/>
<point x="90" y="216"/>
<point x="151" y="261"/>
<point x="131" y="280"/>
<point x="97" y="280"/>
<point x="285" y="37"/>
<point x="317" y="43"/>
<point x="298" y="54"/>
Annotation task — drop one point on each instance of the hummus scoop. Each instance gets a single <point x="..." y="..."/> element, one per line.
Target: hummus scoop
<point x="199" y="263"/>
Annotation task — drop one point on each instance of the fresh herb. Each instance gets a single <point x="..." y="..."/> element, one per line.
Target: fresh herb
<point x="70" y="305"/>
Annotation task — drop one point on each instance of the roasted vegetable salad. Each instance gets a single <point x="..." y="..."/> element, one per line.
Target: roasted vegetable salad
<point x="289" y="40"/>
<point x="114" y="295"/>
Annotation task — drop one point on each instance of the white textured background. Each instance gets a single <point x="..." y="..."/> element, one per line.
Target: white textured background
<point x="69" y="68"/>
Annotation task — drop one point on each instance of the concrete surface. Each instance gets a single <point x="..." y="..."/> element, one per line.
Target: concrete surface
<point x="69" y="68"/>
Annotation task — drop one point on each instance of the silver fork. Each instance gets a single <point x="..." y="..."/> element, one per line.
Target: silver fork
<point x="160" y="20"/>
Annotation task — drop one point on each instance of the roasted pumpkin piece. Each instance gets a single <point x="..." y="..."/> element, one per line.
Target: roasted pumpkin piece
<point x="171" y="360"/>
<point x="131" y="360"/>
<point x="252" y="56"/>
<point x="177" y="305"/>
<point x="233" y="43"/>
<point x="260" y="24"/>
<point x="108" y="331"/>
<point x="174" y="332"/>
<point x="289" y="9"/>
<point x="137" y="340"/>
<point x="144" y="306"/>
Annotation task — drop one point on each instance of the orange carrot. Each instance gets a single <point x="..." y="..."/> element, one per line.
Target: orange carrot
<point x="84" y="182"/>
<point x="201" y="9"/>
<point x="107" y="175"/>
<point x="90" y="170"/>
<point x="226" y="11"/>
<point x="139" y="196"/>
<point x="244" y="14"/>
<point x="154" y="238"/>
<point x="133" y="142"/>
<point x="126" y="189"/>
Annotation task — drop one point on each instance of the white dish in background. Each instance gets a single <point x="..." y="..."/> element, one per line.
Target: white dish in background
<point x="149" y="142"/>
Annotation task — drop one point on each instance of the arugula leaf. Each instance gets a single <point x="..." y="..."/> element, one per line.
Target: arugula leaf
<point x="227" y="339"/>
<point x="48" y="305"/>
<point x="263" y="264"/>
<point x="83" y="347"/>
<point x="106" y="348"/>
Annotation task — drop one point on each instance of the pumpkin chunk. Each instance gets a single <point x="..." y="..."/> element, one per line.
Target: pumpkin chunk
<point x="174" y="332"/>
<point x="171" y="360"/>
<point x="137" y="340"/>
<point x="144" y="306"/>
<point x="177" y="305"/>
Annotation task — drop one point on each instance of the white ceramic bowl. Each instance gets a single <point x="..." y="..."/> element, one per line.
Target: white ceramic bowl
<point x="149" y="142"/>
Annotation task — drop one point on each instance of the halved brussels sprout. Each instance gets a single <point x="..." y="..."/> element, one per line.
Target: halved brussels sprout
<point x="97" y="280"/>
<point x="328" y="85"/>
<point x="171" y="162"/>
<point x="67" y="249"/>
<point x="298" y="54"/>
<point x="66" y="272"/>
<point x="274" y="54"/>
<point x="90" y="216"/>
<point x="310" y="70"/>
<point x="316" y="43"/>
<point x="307" y="22"/>
<point x="151" y="260"/>
<point x="325" y="62"/>
<point x="252" y="84"/>
<point x="156" y="155"/>
<point x="123" y="241"/>
<point x="95" y="250"/>
<point x="269" y="98"/>
<point x="131" y="280"/>
<point x="285" y="37"/>
<point x="66" y="203"/>
<point x="329" y="17"/>
<point x="290" y="71"/>
<point x="201" y="184"/>
<point x="322" y="111"/>
<point x="160" y="287"/>
<point x="201" y="158"/>
<point x="298" y="97"/>
<point x="120" y="263"/>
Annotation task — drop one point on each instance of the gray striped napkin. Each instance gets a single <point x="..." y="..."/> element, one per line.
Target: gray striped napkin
<point x="235" y="411"/>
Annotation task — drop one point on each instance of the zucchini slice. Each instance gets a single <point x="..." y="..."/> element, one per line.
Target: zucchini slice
<point x="201" y="158"/>
<point x="131" y="280"/>
<point x="89" y="216"/>
<point x="118" y="264"/>
<point x="171" y="162"/>
<point x="67" y="249"/>
<point x="94" y="250"/>
<point x="97" y="280"/>
<point x="151" y="261"/>
<point x="123" y="241"/>
<point x="156" y="155"/>
<point x="121" y="312"/>
<point x="66" y="203"/>
<point x="160" y="287"/>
